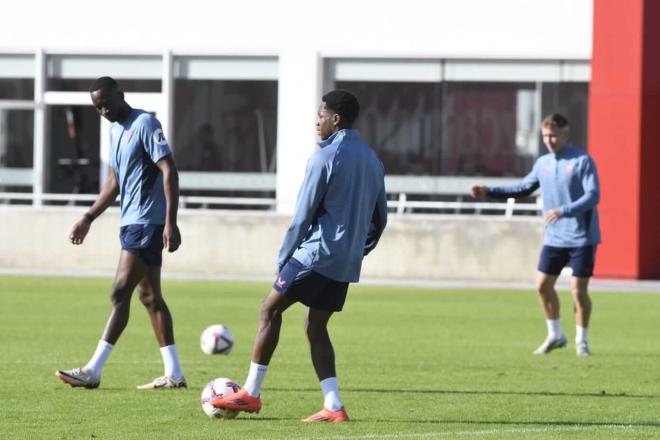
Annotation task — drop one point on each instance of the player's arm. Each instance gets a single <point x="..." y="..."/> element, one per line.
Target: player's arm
<point x="523" y="188"/>
<point x="107" y="195"/>
<point x="311" y="194"/>
<point x="171" y="233"/>
<point x="591" y="195"/>
<point x="378" y="222"/>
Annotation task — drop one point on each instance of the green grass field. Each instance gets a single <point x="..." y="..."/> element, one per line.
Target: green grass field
<point x="412" y="364"/>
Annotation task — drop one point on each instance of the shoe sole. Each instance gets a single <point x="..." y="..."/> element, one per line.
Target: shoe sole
<point x="75" y="383"/>
<point x="325" y="420"/>
<point x="240" y="409"/>
<point x="148" y="387"/>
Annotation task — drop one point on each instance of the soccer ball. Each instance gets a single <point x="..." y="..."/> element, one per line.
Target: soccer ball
<point x="217" y="339"/>
<point x="217" y="388"/>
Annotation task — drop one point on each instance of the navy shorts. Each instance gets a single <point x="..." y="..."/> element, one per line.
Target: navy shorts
<point x="146" y="241"/>
<point x="310" y="288"/>
<point x="580" y="259"/>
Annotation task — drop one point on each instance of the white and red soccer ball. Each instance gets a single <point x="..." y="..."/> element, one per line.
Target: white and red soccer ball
<point x="217" y="339"/>
<point x="219" y="387"/>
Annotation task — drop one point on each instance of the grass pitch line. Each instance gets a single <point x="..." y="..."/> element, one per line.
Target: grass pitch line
<point x="481" y="433"/>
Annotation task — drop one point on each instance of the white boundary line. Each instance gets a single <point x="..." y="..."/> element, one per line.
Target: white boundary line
<point x="481" y="433"/>
<point x="596" y="285"/>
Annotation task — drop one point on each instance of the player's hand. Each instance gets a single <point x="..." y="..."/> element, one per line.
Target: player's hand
<point x="79" y="231"/>
<point x="552" y="215"/>
<point x="478" y="191"/>
<point x="171" y="237"/>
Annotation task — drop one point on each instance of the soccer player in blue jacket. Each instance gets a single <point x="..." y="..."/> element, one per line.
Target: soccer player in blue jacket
<point x="339" y="217"/>
<point x="569" y="186"/>
<point x="145" y="177"/>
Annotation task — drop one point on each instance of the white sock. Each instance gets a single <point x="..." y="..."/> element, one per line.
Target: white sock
<point x="554" y="328"/>
<point x="95" y="364"/>
<point x="255" y="378"/>
<point x="330" y="391"/>
<point x="171" y="361"/>
<point x="581" y="334"/>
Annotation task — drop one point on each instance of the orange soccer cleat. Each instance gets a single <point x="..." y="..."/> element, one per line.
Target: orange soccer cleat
<point x="325" y="415"/>
<point x="240" y="401"/>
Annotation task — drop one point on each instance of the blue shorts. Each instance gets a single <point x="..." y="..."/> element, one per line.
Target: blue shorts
<point x="310" y="288"/>
<point x="146" y="241"/>
<point x="580" y="259"/>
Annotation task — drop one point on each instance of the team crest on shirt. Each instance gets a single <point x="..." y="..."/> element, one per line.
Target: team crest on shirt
<point x="159" y="137"/>
<point x="569" y="169"/>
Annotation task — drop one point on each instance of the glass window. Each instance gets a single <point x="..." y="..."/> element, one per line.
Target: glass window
<point x="449" y="128"/>
<point x="73" y="162"/>
<point x="572" y="100"/>
<point x="82" y="85"/>
<point x="16" y="88"/>
<point x="225" y="125"/>
<point x="455" y="128"/>
<point x="16" y="138"/>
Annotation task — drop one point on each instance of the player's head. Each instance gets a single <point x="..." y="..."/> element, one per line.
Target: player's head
<point x="339" y="109"/>
<point x="554" y="129"/>
<point x="108" y="98"/>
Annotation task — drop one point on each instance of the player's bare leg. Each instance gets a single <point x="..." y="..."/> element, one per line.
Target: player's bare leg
<point x="151" y="297"/>
<point x="129" y="272"/>
<point x="582" y="307"/>
<point x="323" y="359"/>
<point x="323" y="355"/>
<point x="270" y="321"/>
<point x="545" y="286"/>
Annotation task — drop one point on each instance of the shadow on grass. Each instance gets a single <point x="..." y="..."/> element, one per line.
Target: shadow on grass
<point x="594" y="424"/>
<point x="603" y="393"/>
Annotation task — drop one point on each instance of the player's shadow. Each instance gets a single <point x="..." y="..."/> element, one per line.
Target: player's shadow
<point x="603" y="394"/>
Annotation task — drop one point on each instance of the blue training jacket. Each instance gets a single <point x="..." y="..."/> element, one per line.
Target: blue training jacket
<point x="568" y="181"/>
<point x="341" y="209"/>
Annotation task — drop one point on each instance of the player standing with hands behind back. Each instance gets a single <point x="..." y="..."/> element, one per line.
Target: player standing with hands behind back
<point x="144" y="175"/>
<point x="570" y="190"/>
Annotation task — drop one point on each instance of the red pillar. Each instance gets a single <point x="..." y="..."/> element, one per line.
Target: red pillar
<point x="624" y="135"/>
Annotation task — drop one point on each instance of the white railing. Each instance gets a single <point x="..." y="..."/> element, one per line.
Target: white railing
<point x="402" y="191"/>
<point x="400" y="206"/>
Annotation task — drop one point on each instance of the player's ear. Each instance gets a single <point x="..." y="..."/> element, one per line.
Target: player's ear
<point x="336" y="119"/>
<point x="121" y="95"/>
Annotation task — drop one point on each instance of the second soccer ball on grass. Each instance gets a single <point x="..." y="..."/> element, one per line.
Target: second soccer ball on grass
<point x="217" y="339"/>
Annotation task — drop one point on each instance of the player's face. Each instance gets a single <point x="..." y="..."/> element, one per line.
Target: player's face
<point x="108" y="103"/>
<point x="555" y="139"/>
<point x="327" y="122"/>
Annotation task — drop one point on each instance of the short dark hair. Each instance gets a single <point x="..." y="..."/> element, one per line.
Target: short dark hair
<point x="104" y="82"/>
<point x="555" y="120"/>
<point x="344" y="103"/>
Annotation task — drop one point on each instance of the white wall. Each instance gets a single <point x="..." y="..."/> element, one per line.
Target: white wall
<point x="445" y="28"/>
<point x="240" y="244"/>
